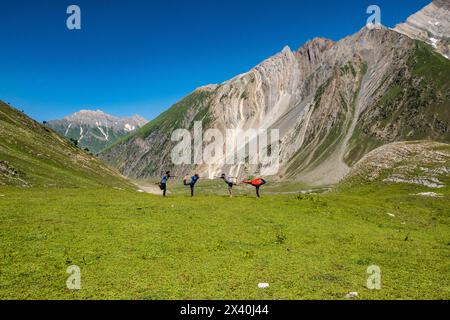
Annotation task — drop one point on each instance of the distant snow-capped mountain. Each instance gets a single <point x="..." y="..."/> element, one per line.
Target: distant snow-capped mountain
<point x="96" y="130"/>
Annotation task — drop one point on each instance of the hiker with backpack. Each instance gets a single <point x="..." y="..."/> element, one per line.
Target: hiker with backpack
<point x="257" y="183"/>
<point x="229" y="181"/>
<point x="191" y="184"/>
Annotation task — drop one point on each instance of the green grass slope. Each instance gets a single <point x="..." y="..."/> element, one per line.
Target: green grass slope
<point x="33" y="155"/>
<point x="131" y="245"/>
<point x="416" y="105"/>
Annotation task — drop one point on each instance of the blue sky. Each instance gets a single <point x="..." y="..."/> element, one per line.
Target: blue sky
<point x="141" y="56"/>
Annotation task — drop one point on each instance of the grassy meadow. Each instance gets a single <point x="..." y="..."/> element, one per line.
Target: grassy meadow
<point x="132" y="245"/>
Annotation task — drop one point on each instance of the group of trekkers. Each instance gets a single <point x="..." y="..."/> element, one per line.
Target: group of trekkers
<point x="229" y="181"/>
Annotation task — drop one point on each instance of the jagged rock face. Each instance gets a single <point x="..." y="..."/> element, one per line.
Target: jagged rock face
<point x="332" y="102"/>
<point x="96" y="130"/>
<point x="147" y="153"/>
<point x="432" y="25"/>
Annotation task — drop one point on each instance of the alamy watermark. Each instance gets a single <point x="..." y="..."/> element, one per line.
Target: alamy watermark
<point x="73" y="22"/>
<point x="74" y="280"/>
<point x="374" y="279"/>
<point x="374" y="21"/>
<point x="232" y="147"/>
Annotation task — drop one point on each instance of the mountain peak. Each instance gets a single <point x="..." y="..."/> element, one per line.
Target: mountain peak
<point x="286" y="49"/>
<point x="141" y="121"/>
<point x="92" y="117"/>
<point x="320" y="43"/>
<point x="92" y="112"/>
<point x="313" y="49"/>
<point x="431" y="25"/>
<point x="96" y="130"/>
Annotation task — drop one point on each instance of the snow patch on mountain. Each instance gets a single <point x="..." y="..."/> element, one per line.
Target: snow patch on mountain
<point x="96" y="130"/>
<point x="68" y="128"/>
<point x="129" y="127"/>
<point x="103" y="132"/>
<point x="81" y="133"/>
<point x="432" y="25"/>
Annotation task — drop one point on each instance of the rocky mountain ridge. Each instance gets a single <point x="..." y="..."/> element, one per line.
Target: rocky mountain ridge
<point x="430" y="25"/>
<point x="96" y="130"/>
<point x="332" y="102"/>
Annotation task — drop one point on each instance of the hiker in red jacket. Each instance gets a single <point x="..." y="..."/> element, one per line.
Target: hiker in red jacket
<point x="257" y="183"/>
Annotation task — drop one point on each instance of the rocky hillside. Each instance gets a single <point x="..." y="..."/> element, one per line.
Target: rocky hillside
<point x="95" y="130"/>
<point x="430" y="25"/>
<point x="34" y="155"/>
<point x="333" y="102"/>
<point x="425" y="164"/>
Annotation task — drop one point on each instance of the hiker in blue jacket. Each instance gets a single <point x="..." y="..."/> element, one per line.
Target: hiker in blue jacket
<point x="163" y="183"/>
<point x="194" y="180"/>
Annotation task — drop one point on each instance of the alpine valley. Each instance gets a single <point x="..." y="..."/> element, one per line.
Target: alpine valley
<point x="358" y="210"/>
<point x="333" y="102"/>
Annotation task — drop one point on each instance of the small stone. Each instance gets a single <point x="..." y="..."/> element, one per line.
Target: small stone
<point x="430" y="194"/>
<point x="263" y="285"/>
<point x="351" y="295"/>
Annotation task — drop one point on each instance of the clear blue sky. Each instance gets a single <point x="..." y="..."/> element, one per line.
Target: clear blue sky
<point x="141" y="56"/>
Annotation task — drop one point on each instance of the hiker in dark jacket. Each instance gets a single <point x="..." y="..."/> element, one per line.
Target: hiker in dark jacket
<point x="230" y="183"/>
<point x="192" y="183"/>
<point x="163" y="183"/>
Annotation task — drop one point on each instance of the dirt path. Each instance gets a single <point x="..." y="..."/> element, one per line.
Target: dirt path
<point x="311" y="191"/>
<point x="150" y="189"/>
